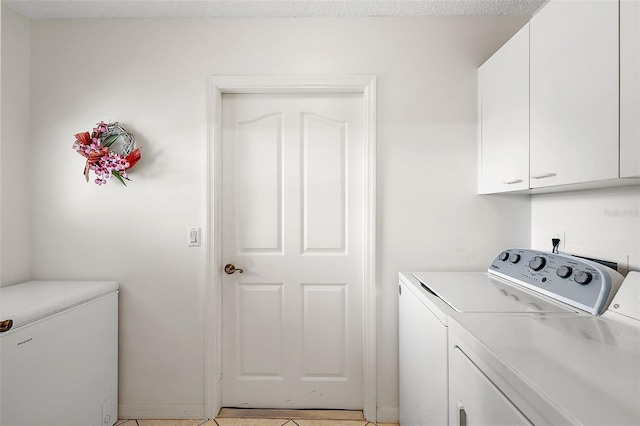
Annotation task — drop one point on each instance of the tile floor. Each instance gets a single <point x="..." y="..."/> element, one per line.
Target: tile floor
<point x="267" y="417"/>
<point x="249" y="422"/>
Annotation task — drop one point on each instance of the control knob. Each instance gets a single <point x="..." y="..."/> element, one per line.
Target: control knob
<point x="537" y="263"/>
<point x="514" y="258"/>
<point x="583" y="277"/>
<point x="504" y="256"/>
<point x="564" y="271"/>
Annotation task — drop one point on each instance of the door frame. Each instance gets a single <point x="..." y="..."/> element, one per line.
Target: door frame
<point x="218" y="85"/>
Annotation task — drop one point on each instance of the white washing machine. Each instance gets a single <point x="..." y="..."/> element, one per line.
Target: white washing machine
<point x="518" y="283"/>
<point x="548" y="370"/>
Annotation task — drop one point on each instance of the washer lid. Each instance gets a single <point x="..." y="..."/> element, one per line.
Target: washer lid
<point x="29" y="301"/>
<point x="579" y="367"/>
<point x="481" y="292"/>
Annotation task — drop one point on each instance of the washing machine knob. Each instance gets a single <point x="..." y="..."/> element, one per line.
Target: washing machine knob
<point x="583" y="277"/>
<point x="514" y="258"/>
<point x="564" y="271"/>
<point x="504" y="256"/>
<point x="537" y="263"/>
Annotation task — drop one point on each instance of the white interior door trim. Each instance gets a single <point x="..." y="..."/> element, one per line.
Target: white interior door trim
<point x="219" y="84"/>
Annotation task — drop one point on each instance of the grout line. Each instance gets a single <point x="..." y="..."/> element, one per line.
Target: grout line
<point x="287" y="422"/>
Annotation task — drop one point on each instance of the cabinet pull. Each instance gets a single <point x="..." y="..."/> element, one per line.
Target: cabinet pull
<point x="512" y="182"/>
<point x="544" y="176"/>
<point x="462" y="414"/>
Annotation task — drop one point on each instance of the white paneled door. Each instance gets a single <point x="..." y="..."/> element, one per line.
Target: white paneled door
<point x="292" y="221"/>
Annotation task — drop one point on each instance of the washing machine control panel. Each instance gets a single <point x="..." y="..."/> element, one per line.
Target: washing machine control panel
<point x="579" y="282"/>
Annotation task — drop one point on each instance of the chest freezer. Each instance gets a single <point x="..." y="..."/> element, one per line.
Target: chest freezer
<point x="59" y="353"/>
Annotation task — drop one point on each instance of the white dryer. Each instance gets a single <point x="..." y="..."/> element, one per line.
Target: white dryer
<point x="518" y="282"/>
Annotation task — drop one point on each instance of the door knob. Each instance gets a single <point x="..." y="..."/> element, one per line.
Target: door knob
<point x="230" y="269"/>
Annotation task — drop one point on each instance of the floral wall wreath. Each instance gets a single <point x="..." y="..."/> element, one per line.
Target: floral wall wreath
<point x="100" y="159"/>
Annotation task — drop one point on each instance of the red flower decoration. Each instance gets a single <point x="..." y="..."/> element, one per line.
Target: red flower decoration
<point x="105" y="163"/>
<point x="133" y="158"/>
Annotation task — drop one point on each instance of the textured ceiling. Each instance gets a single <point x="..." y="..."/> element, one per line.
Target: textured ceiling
<point x="45" y="9"/>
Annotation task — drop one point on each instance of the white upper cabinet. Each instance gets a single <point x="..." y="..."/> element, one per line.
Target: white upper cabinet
<point x="503" y="117"/>
<point x="574" y="93"/>
<point x="630" y="88"/>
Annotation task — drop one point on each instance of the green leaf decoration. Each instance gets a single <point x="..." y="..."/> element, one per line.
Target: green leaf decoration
<point x="110" y="140"/>
<point x="119" y="177"/>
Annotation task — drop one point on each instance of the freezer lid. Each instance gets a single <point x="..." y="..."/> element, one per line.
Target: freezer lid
<point x="32" y="300"/>
<point x="480" y="292"/>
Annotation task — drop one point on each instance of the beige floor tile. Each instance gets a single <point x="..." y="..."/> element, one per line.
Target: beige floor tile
<point x="331" y="422"/>
<point x="248" y="422"/>
<point x="170" y="422"/>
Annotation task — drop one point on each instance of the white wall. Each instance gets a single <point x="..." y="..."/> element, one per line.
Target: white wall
<point x="14" y="149"/>
<point x="602" y="223"/>
<point x="151" y="76"/>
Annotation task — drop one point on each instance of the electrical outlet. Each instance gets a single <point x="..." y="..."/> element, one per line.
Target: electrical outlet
<point x="561" y="235"/>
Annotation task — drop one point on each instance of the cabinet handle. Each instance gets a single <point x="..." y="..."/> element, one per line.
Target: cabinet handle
<point x="462" y="414"/>
<point x="512" y="182"/>
<point x="544" y="176"/>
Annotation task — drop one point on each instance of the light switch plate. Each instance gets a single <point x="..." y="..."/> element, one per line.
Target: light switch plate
<point x="193" y="237"/>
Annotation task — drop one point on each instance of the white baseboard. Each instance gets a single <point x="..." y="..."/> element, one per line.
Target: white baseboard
<point x="388" y="415"/>
<point x="161" y="411"/>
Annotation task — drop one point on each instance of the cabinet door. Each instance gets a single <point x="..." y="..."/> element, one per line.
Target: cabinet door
<point x="503" y="118"/>
<point x="574" y="92"/>
<point x="629" y="88"/>
<point x="475" y="400"/>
